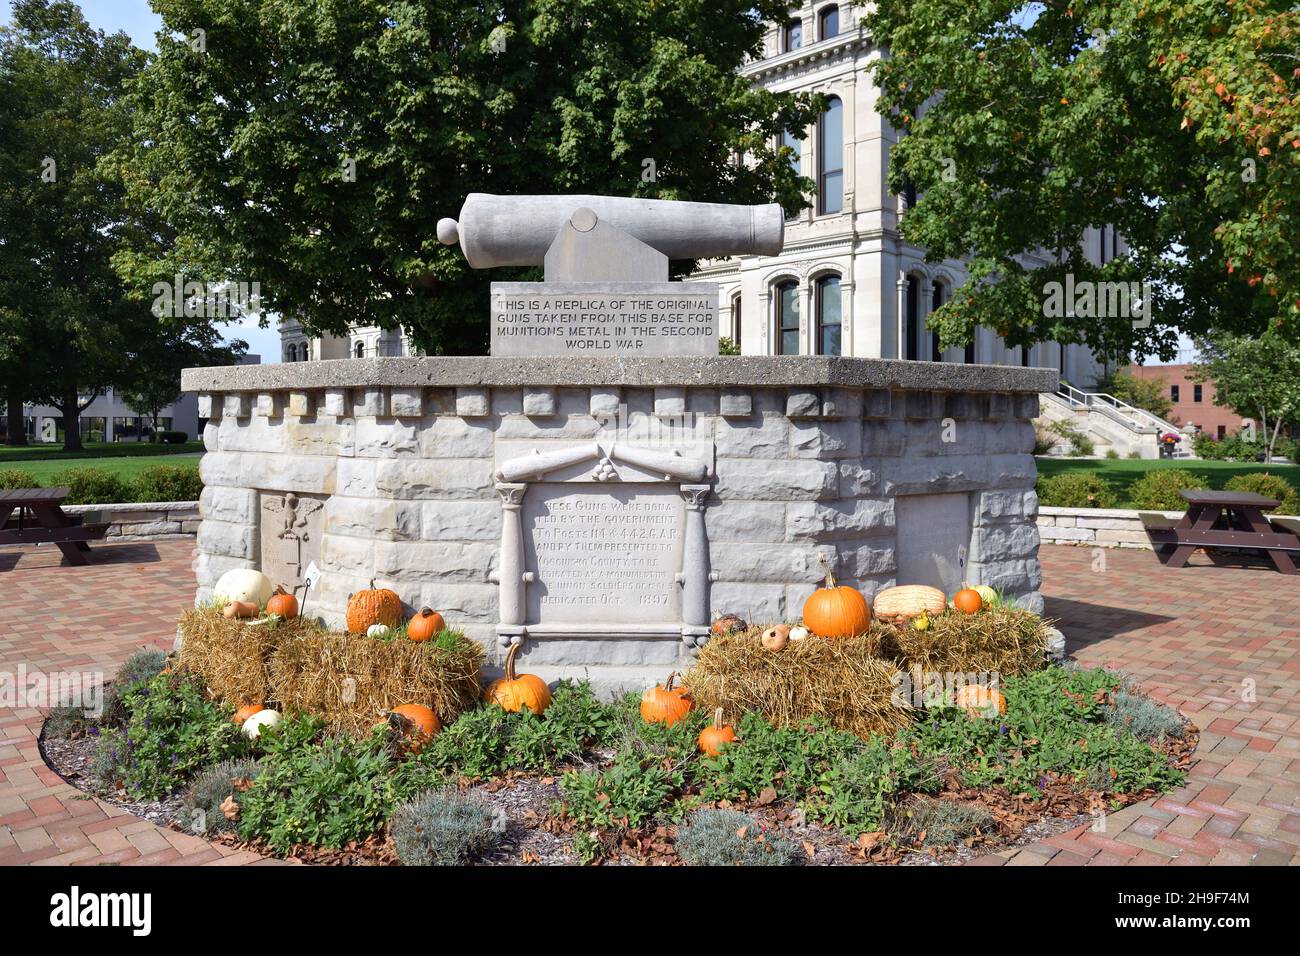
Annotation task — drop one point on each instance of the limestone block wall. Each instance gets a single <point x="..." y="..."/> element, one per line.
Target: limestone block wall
<point x="141" y="520"/>
<point x="889" y="471"/>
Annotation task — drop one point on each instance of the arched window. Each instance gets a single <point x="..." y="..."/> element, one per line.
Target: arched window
<point x="787" y="319"/>
<point x="792" y="36"/>
<point x="828" y="315"/>
<point x="830" y="158"/>
<point x="304" y="353"/>
<point x="360" y="350"/>
<point x="912" y="320"/>
<point x="293" y="352"/>
<point x="937" y="298"/>
<point x="828" y="22"/>
<point x="735" y="319"/>
<point x="969" y="357"/>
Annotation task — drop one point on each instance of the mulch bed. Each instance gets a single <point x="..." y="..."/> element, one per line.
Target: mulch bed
<point x="535" y="835"/>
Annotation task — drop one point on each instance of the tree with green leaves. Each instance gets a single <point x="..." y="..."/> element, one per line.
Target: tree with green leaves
<point x="153" y="375"/>
<point x="312" y="147"/>
<point x="1150" y="394"/>
<point x="1256" y="376"/>
<point x="70" y="326"/>
<point x="1024" y="124"/>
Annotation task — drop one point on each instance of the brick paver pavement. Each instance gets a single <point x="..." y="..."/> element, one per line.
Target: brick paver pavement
<point x="1218" y="643"/>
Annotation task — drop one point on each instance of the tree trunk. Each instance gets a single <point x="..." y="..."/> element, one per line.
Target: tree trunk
<point x="1272" y="439"/>
<point x="71" y="410"/>
<point x="17" y="433"/>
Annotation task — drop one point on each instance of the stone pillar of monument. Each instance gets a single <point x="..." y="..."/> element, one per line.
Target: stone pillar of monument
<point x="513" y="580"/>
<point x="694" y="577"/>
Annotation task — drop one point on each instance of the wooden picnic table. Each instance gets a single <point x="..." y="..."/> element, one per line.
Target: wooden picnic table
<point x="36" y="516"/>
<point x="1227" y="519"/>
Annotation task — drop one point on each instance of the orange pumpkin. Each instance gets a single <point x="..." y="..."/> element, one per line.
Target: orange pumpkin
<point x="425" y="625"/>
<point x="666" y="704"/>
<point x="980" y="701"/>
<point x="248" y="710"/>
<point x="373" y="606"/>
<point x="713" y="737"/>
<point x="514" y="692"/>
<point x="836" y="611"/>
<point x="968" y="601"/>
<point x="282" y="604"/>
<point x="415" y="721"/>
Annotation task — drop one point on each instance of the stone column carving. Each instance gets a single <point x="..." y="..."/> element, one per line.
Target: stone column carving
<point x="901" y="316"/>
<point x="513" y="578"/>
<point x="694" y="576"/>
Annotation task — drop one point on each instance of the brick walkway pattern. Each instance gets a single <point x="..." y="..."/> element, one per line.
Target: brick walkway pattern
<point x="1218" y="643"/>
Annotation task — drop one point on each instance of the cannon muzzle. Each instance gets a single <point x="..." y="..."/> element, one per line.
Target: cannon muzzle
<point x="517" y="230"/>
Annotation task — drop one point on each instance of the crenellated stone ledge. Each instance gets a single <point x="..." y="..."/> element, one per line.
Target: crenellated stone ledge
<point x="470" y="372"/>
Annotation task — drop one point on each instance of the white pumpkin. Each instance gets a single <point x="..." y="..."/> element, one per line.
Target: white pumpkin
<point x="378" y="630"/>
<point x="243" y="584"/>
<point x="252" y="727"/>
<point x="799" y="632"/>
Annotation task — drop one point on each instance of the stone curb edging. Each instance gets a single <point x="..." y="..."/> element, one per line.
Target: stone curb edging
<point x="141" y="520"/>
<point x="1098" y="527"/>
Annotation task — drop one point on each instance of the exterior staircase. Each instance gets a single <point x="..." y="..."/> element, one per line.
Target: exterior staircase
<point x="1110" y="422"/>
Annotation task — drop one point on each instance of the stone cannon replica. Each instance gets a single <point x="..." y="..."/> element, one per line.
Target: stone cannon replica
<point x="519" y="230"/>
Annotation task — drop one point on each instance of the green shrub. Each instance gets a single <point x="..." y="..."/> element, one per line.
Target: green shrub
<point x="444" y="828"/>
<point x="167" y="483"/>
<point x="173" y="731"/>
<point x="1112" y="454"/>
<point x="172" y="438"/>
<point x="1083" y="489"/>
<point x="325" y="794"/>
<point x="1159" y="488"/>
<point x="1044" y="440"/>
<point x="1270" y="486"/>
<point x="139" y="667"/>
<point x="13" y="478"/>
<point x="67" y="722"/>
<point x="727" y="346"/>
<point x="942" y="822"/>
<point x="1080" y="443"/>
<point x="488" y="741"/>
<point x="202" y="810"/>
<point x="1055" y="723"/>
<point x="731" y="838"/>
<point x="633" y="790"/>
<point x="92" y="486"/>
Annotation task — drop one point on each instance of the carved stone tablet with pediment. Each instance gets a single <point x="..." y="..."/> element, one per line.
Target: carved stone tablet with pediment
<point x="290" y="526"/>
<point x="603" y="553"/>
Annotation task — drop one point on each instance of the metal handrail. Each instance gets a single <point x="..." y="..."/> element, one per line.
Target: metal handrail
<point x="1116" y="408"/>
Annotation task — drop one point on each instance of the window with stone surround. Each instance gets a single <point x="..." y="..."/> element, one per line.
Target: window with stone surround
<point x="359" y="350"/>
<point x="735" y="319"/>
<point x="830" y="158"/>
<point x="787" y="318"/>
<point x="292" y="353"/>
<point x="792" y="36"/>
<point x="828" y="22"/>
<point x="937" y="299"/>
<point x="829" y="313"/>
<point x="912" y="320"/>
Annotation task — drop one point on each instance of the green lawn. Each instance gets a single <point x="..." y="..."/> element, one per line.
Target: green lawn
<point x="41" y="451"/>
<point x="127" y="468"/>
<point x="1122" y="472"/>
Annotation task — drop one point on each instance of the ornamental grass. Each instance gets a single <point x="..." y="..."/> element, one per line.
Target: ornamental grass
<point x="854" y="683"/>
<point x="348" y="680"/>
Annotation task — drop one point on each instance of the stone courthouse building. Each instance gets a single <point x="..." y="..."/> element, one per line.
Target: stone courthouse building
<point x="846" y="282"/>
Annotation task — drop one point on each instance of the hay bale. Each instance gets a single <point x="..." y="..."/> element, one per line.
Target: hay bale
<point x="841" y="680"/>
<point x="352" y="681"/>
<point x="1005" y="640"/>
<point x="232" y="656"/>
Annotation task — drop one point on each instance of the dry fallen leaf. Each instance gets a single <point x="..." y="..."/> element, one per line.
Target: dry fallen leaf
<point x="767" y="796"/>
<point x="230" y="808"/>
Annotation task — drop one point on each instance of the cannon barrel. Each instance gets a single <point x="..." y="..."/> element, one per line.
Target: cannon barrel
<point x="517" y="230"/>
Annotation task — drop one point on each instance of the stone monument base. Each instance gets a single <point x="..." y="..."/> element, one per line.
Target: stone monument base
<point x="604" y="510"/>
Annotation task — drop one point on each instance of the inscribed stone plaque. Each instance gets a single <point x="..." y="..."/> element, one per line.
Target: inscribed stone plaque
<point x="290" y="526"/>
<point x="603" y="553"/>
<point x="604" y="318"/>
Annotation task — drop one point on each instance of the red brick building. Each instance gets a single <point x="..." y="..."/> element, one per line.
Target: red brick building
<point x="1193" y="401"/>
